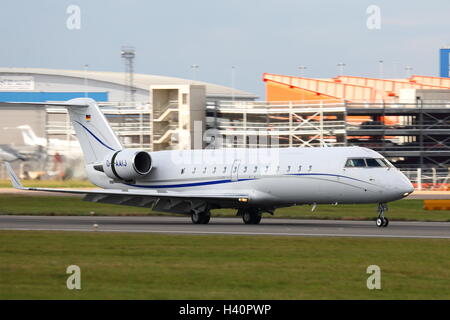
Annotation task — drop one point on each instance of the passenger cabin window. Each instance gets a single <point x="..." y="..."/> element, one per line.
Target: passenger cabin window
<point x="366" y="162"/>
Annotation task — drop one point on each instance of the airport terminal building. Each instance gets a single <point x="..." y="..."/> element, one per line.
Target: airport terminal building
<point x="156" y="99"/>
<point x="149" y="117"/>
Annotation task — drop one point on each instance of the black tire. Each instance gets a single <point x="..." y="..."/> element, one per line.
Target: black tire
<point x="247" y="217"/>
<point x="200" y="217"/>
<point x="251" y="217"/>
<point x="386" y="222"/>
<point x="206" y="218"/>
<point x="257" y="218"/>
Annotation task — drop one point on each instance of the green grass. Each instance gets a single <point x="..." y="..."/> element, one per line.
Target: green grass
<point x="50" y="184"/>
<point x="143" y="266"/>
<point x="62" y="205"/>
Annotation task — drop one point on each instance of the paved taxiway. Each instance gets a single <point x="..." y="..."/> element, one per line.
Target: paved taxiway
<point x="228" y="226"/>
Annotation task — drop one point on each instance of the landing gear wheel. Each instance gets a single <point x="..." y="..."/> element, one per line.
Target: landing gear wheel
<point x="200" y="217"/>
<point x="381" y="220"/>
<point x="206" y="219"/>
<point x="247" y="217"/>
<point x="251" y="217"/>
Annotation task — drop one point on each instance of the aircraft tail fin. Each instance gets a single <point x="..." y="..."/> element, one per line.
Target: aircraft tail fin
<point x="92" y="129"/>
<point x="29" y="137"/>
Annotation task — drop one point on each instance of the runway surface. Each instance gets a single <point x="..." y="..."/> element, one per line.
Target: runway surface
<point x="228" y="226"/>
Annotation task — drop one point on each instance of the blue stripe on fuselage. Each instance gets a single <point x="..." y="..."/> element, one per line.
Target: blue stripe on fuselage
<point x="196" y="184"/>
<point x="325" y="174"/>
<point x="185" y="185"/>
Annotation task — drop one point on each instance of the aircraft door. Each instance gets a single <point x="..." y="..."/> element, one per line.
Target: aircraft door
<point x="235" y="170"/>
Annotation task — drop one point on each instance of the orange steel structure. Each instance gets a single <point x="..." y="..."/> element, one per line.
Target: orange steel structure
<point x="350" y="88"/>
<point x="322" y="89"/>
<point x="434" y="81"/>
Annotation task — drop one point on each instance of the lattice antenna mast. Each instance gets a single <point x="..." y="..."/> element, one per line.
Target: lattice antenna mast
<point x="128" y="53"/>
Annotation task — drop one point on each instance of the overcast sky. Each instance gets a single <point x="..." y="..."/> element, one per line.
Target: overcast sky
<point x="255" y="36"/>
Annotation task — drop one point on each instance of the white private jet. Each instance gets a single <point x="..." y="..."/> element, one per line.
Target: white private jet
<point x="193" y="182"/>
<point x="52" y="146"/>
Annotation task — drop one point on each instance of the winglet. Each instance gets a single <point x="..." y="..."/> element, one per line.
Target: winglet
<point x="12" y="176"/>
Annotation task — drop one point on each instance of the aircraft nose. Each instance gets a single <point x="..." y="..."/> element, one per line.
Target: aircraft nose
<point x="404" y="186"/>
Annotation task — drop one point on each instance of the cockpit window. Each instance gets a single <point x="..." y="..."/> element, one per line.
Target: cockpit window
<point x="355" y="163"/>
<point x="367" y="162"/>
<point x="374" y="163"/>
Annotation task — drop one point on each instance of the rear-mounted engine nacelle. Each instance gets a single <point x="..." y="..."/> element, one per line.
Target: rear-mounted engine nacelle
<point x="127" y="164"/>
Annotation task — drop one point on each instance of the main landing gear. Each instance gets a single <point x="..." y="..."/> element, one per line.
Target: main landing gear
<point x="381" y="220"/>
<point x="200" y="217"/>
<point x="250" y="216"/>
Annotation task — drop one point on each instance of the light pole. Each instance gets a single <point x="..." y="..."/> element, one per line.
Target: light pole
<point x="195" y="68"/>
<point x="302" y="74"/>
<point x="380" y="69"/>
<point x="408" y="70"/>
<point x="302" y="71"/>
<point x="233" y="74"/>
<point x="341" y="66"/>
<point x="395" y="65"/>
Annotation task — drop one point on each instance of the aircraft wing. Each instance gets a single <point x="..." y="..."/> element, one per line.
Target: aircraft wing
<point x="170" y="201"/>
<point x="12" y="151"/>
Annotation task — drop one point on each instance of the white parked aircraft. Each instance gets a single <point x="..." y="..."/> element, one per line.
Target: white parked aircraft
<point x="195" y="181"/>
<point x="69" y="148"/>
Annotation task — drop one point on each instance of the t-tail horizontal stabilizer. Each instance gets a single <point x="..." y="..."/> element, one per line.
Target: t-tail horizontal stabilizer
<point x="12" y="176"/>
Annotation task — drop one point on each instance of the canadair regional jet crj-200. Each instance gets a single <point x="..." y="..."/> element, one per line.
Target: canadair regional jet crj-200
<point x="174" y="181"/>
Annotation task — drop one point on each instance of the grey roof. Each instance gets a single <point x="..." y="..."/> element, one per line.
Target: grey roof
<point x="141" y="81"/>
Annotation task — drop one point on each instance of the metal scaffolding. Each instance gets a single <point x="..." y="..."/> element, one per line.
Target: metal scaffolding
<point x="413" y="135"/>
<point x="292" y="124"/>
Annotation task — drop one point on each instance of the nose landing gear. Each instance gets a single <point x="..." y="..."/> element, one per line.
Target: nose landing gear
<point x="382" y="221"/>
